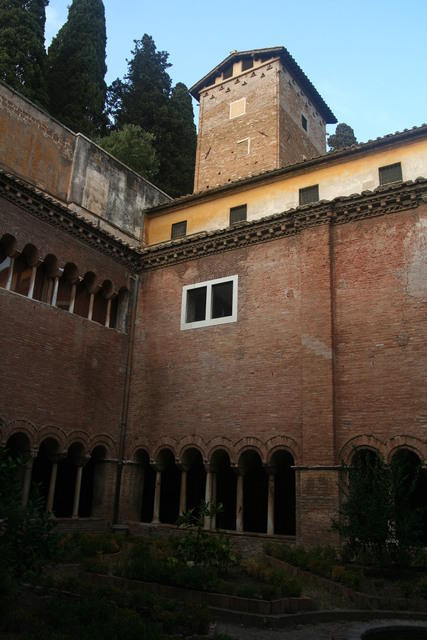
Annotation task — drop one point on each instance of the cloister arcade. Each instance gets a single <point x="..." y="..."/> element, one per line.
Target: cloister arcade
<point x="25" y="273"/>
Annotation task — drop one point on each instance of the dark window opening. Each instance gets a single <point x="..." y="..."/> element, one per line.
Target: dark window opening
<point x="309" y="194"/>
<point x="238" y="214"/>
<point x="196" y="304"/>
<point x="390" y="173"/>
<point x="222" y="299"/>
<point x="247" y="63"/>
<point x="228" y="72"/>
<point x="304" y="122"/>
<point x="4" y="271"/>
<point x="179" y="229"/>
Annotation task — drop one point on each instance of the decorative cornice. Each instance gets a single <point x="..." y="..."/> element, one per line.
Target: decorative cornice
<point x="48" y="210"/>
<point x="382" y="201"/>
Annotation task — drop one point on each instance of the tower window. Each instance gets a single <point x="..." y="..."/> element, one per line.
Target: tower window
<point x="179" y="229"/>
<point x="228" y="72"/>
<point x="237" y="108"/>
<point x="390" y="173"/>
<point x="247" y="63"/>
<point x="243" y="147"/>
<point x="238" y="214"/>
<point x="309" y="194"/>
<point x="209" y="303"/>
<point x="304" y="122"/>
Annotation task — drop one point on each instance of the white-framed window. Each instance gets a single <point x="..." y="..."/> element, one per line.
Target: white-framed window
<point x="243" y="147"/>
<point x="208" y="303"/>
<point x="237" y="108"/>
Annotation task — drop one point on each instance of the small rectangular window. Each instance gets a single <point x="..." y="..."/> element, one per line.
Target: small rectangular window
<point x="309" y="194"/>
<point x="238" y="214"/>
<point x="228" y="72"/>
<point x="304" y="122"/>
<point x="243" y="147"/>
<point x="209" y="303"/>
<point x="247" y="63"/>
<point x="390" y="173"/>
<point x="237" y="108"/>
<point x="179" y="229"/>
<point x="196" y="305"/>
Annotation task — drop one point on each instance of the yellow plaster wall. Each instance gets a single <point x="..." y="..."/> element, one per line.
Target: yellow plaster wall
<point x="340" y="179"/>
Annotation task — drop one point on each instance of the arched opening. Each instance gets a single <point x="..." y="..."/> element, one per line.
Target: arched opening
<point x="255" y="489"/>
<point x="284" y="493"/>
<point x="83" y="295"/>
<point x="18" y="446"/>
<point x="100" y="302"/>
<point x="67" y="487"/>
<point x="43" y="465"/>
<point x="169" y="490"/>
<point x="225" y="489"/>
<point x="196" y="479"/>
<point x="22" y="277"/>
<point x="146" y="479"/>
<point x="119" y="310"/>
<point x="410" y="494"/>
<point x="45" y="279"/>
<point x="66" y="287"/>
<point x="92" y="487"/>
<point x="7" y="250"/>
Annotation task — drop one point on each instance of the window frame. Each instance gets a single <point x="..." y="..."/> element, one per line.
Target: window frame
<point x="238" y="115"/>
<point x="239" y="207"/>
<point x="388" y="166"/>
<point x="209" y="321"/>
<point x="179" y="235"/>
<point x="305" y="189"/>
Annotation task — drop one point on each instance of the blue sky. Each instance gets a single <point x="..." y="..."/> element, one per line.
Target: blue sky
<point x="368" y="59"/>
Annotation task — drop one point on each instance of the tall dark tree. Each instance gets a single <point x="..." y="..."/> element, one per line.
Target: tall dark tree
<point x="343" y="137"/>
<point x="183" y="142"/>
<point x="22" y="52"/>
<point x="145" y="98"/>
<point x="76" y="68"/>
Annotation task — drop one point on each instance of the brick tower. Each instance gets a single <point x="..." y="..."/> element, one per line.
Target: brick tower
<point x="258" y="112"/>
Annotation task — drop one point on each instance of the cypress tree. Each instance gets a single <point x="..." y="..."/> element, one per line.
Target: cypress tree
<point x="76" y="68"/>
<point x="145" y="98"/>
<point x="183" y="142"/>
<point x="22" y="52"/>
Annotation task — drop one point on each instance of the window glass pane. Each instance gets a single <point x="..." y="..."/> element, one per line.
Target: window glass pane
<point x="222" y="299"/>
<point x="196" y="304"/>
<point x="237" y="214"/>
<point x="391" y="173"/>
<point x="179" y="229"/>
<point x="309" y="194"/>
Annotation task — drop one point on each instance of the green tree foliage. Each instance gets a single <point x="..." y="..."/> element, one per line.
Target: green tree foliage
<point x="183" y="142"/>
<point x="22" y="52"/>
<point x="343" y="137"/>
<point x="76" y="69"/>
<point x="134" y="147"/>
<point x="145" y="98"/>
<point x="381" y="518"/>
<point x="26" y="536"/>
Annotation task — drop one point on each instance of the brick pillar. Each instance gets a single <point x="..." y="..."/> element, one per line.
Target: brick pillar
<point x="317" y="490"/>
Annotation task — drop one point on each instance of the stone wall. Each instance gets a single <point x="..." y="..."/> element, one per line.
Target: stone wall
<point x="72" y="169"/>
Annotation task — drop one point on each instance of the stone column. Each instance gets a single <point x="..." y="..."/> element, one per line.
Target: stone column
<point x="108" y="314"/>
<point x="77" y="488"/>
<point x="239" y="501"/>
<point x="208" y="495"/>
<point x="72" y="298"/>
<point x="52" y="486"/>
<point x="90" y="312"/>
<point x="183" y="491"/>
<point x="55" y="291"/>
<point x="32" y="282"/>
<point x="157" y="489"/>
<point x="213" y="520"/>
<point x="27" y="478"/>
<point x="270" y="510"/>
